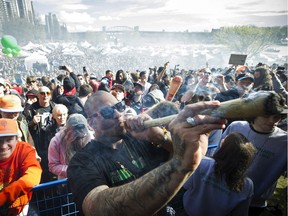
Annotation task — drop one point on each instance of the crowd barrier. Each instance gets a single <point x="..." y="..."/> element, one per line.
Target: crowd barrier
<point x="52" y="199"/>
<point x="55" y="199"/>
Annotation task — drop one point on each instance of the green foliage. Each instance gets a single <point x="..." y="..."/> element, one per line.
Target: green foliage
<point x="280" y="33"/>
<point x="279" y="197"/>
<point x="248" y="40"/>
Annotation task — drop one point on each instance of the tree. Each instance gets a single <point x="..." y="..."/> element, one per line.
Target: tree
<point x="249" y="40"/>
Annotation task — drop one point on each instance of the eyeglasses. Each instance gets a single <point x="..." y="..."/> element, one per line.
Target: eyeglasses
<point x="108" y="112"/>
<point x="45" y="93"/>
<point x="32" y="81"/>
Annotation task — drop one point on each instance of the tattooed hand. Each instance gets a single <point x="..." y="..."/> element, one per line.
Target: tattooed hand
<point x="190" y="142"/>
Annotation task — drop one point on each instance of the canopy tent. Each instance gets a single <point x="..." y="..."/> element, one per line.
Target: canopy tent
<point x="73" y="51"/>
<point x="30" y="46"/>
<point x="35" y="58"/>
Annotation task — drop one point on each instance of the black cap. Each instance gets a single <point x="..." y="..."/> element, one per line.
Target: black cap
<point x="245" y="76"/>
<point x="68" y="84"/>
<point x="32" y="92"/>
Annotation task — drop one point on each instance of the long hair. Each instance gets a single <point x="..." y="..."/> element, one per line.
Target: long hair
<point x="264" y="82"/>
<point x="233" y="159"/>
<point x="117" y="79"/>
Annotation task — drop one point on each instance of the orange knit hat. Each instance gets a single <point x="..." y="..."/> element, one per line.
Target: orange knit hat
<point x="8" y="127"/>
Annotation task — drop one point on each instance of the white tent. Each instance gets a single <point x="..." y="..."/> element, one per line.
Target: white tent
<point x="73" y="51"/>
<point x="30" y="46"/>
<point x="85" y="44"/>
<point x="34" y="58"/>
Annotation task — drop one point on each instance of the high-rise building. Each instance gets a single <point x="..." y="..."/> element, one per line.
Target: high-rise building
<point x="25" y="10"/>
<point x="11" y="9"/>
<point x="7" y="11"/>
<point x="53" y="28"/>
<point x="1" y="16"/>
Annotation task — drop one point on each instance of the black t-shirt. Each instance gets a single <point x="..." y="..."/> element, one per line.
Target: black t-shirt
<point x="97" y="164"/>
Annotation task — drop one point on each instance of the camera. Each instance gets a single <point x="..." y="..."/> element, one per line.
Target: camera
<point x="84" y="69"/>
<point x="280" y="68"/>
<point x="62" y="67"/>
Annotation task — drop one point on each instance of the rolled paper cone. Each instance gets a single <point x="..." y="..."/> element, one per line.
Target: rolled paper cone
<point x="159" y="121"/>
<point x="256" y="104"/>
<point x="174" y="87"/>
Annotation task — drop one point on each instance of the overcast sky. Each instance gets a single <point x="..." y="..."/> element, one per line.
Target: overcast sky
<point x="168" y="15"/>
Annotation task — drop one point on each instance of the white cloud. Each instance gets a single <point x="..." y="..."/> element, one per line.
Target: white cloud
<point x="177" y="15"/>
<point x="76" y="18"/>
<point x="74" y="7"/>
<point x="108" y="18"/>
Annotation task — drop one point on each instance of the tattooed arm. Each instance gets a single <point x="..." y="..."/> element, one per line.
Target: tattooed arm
<point x="149" y="193"/>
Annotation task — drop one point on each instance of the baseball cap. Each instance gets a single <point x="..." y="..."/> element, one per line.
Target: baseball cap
<point x="76" y="119"/>
<point x="78" y="122"/>
<point x="153" y="97"/>
<point x="10" y="103"/>
<point x="31" y="93"/>
<point x="245" y="76"/>
<point x="69" y="86"/>
<point x="8" y="127"/>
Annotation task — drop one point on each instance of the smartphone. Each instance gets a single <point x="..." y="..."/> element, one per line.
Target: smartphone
<point x="62" y="67"/>
<point x="84" y="69"/>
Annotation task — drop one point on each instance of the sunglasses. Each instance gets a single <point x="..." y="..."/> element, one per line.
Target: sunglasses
<point x="108" y="112"/>
<point x="33" y="81"/>
<point x="45" y="93"/>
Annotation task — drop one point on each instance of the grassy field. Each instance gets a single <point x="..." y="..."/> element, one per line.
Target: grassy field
<point x="279" y="197"/>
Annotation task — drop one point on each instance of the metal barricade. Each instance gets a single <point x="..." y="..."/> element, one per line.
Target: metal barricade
<point x="55" y="199"/>
<point x="52" y="199"/>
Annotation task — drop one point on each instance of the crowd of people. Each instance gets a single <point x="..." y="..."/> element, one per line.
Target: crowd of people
<point x="91" y="130"/>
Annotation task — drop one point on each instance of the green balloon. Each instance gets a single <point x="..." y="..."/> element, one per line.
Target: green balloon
<point x="15" y="52"/>
<point x="17" y="48"/>
<point x="4" y="50"/>
<point x="8" y="41"/>
<point x="9" y="50"/>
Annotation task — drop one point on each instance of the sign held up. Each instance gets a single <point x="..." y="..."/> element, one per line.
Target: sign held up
<point x="237" y="59"/>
